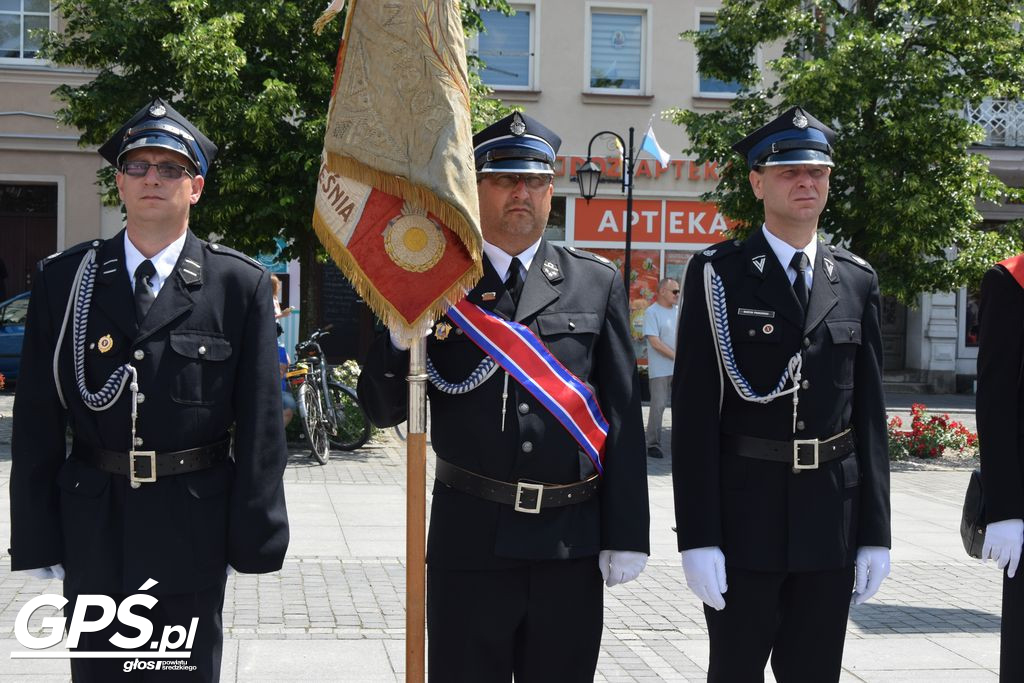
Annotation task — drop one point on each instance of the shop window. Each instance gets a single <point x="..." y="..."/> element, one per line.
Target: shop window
<point x="617" y="47"/>
<point x="713" y="87"/>
<point x="507" y="48"/>
<point x="20" y="21"/>
<point x="555" y="230"/>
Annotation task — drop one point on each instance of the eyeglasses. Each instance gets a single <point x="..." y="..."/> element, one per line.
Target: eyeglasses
<point x="507" y="181"/>
<point x="674" y="291"/>
<point x="167" y="170"/>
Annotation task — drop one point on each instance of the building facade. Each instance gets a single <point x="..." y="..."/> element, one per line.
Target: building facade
<point x="579" y="66"/>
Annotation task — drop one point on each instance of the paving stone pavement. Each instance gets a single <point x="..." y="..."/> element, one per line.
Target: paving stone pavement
<point x="343" y="585"/>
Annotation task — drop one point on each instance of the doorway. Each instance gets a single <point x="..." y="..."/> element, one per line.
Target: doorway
<point x="28" y="233"/>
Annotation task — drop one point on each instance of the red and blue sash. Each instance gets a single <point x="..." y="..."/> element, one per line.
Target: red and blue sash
<point x="522" y="355"/>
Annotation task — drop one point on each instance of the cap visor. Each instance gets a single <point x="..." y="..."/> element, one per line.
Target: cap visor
<point x="794" y="157"/>
<point x="516" y="166"/>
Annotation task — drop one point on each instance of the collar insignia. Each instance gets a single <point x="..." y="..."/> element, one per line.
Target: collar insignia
<point x="758" y="262"/>
<point x="550" y="270"/>
<point x="105" y="343"/>
<point x="829" y="267"/>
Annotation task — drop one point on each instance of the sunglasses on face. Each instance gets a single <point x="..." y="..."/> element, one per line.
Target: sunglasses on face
<point x="167" y="170"/>
<point x="507" y="181"/>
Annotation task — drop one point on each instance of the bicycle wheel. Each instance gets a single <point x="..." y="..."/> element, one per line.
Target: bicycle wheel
<point x="353" y="425"/>
<point x="312" y="420"/>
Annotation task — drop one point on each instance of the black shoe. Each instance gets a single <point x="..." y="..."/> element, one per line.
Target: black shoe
<point x="654" y="452"/>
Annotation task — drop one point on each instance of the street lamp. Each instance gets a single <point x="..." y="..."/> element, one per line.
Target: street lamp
<point x="589" y="175"/>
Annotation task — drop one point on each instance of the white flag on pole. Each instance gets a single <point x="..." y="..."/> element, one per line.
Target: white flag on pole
<point x="651" y="146"/>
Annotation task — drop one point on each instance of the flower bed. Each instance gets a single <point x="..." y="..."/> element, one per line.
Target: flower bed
<point x="930" y="436"/>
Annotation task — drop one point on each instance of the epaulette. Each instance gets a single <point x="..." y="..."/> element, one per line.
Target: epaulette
<point x="717" y="251"/>
<point x="847" y="255"/>
<point x="80" y="248"/>
<point x="216" y="248"/>
<point x="590" y="256"/>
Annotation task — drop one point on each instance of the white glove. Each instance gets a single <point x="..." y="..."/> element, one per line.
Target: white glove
<point x="47" y="573"/>
<point x="425" y="328"/>
<point x="1003" y="542"/>
<point x="705" y="575"/>
<point x="620" y="566"/>
<point x="872" y="568"/>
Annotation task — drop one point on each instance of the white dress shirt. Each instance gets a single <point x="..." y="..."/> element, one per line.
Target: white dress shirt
<point x="164" y="261"/>
<point x="784" y="252"/>
<point x="502" y="261"/>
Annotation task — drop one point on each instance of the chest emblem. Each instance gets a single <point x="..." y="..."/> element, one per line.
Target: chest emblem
<point x="442" y="330"/>
<point x="105" y="343"/>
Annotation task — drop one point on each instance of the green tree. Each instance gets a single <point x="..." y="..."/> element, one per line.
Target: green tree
<point x="892" y="78"/>
<point x="253" y="75"/>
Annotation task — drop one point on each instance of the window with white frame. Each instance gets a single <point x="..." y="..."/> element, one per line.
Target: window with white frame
<point x="617" y="50"/>
<point x="18" y="20"/>
<point x="713" y="87"/>
<point x="507" y="48"/>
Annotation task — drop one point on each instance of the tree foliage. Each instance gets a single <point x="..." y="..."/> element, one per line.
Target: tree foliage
<point x="252" y="75"/>
<point x="892" y="78"/>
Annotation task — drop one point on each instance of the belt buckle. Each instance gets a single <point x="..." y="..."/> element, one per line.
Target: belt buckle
<point x="136" y="480"/>
<point x="526" y="486"/>
<point x="797" y="443"/>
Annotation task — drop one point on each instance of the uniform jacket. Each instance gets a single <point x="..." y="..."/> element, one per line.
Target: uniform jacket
<point x="762" y="515"/>
<point x="1000" y="407"/>
<point x="576" y="304"/>
<point x="207" y="361"/>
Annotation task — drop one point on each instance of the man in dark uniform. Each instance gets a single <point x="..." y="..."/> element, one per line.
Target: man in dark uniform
<point x="1000" y="425"/>
<point x="780" y="459"/>
<point x="157" y="350"/>
<point x="523" y="526"/>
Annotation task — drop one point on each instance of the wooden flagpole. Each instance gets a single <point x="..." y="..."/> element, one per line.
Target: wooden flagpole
<point x="415" y="514"/>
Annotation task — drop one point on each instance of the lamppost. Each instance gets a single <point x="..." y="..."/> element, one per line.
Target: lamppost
<point x="589" y="175"/>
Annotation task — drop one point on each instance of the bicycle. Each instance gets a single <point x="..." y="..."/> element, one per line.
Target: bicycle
<point x="329" y="409"/>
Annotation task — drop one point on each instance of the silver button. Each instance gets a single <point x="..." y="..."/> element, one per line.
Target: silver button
<point x="527" y="447"/>
<point x="138" y="441"/>
<point x="140" y="397"/>
<point x="806" y="384"/>
<point x="95" y="243"/>
<point x="851" y="333"/>
<point x="202" y="350"/>
<point x="214" y="246"/>
<point x="139" y="354"/>
<point x="800" y="425"/>
<point x="751" y="333"/>
<point x="92" y="346"/>
<point x="807" y="342"/>
<point x="572" y="325"/>
<point x="524" y="408"/>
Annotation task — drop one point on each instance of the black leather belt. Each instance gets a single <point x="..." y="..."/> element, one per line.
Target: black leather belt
<point x="801" y="454"/>
<point x="524" y="496"/>
<point x="146" y="466"/>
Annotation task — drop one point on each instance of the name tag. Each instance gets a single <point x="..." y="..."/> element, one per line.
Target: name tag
<point x="755" y="313"/>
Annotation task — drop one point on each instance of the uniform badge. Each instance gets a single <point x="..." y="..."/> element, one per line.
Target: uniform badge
<point x="105" y="343"/>
<point x="550" y="270"/>
<point x="488" y="296"/>
<point x="518" y="126"/>
<point x="799" y="120"/>
<point x="768" y="329"/>
<point x="157" y="110"/>
<point x="441" y="331"/>
<point x="829" y="267"/>
<point x="709" y="252"/>
<point x="758" y="262"/>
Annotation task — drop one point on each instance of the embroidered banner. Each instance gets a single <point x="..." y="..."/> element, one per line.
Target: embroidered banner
<point x="520" y="353"/>
<point x="396" y="203"/>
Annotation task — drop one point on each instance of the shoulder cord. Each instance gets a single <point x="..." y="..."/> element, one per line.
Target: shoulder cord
<point x="481" y="374"/>
<point x="80" y="297"/>
<point x="714" y="294"/>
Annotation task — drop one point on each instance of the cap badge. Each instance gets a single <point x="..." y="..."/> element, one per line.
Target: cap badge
<point x="518" y="126"/>
<point x="105" y="343"/>
<point x="441" y="331"/>
<point x="157" y="110"/>
<point x="758" y="262"/>
<point x="799" y="120"/>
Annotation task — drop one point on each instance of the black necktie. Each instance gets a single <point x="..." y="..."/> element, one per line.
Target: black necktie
<point x="514" y="283"/>
<point x="144" y="288"/>
<point x="799" y="264"/>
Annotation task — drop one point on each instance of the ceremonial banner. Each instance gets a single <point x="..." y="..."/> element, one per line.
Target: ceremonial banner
<point x="396" y="203"/>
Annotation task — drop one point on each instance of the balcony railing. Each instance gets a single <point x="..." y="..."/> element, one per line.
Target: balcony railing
<point x="1003" y="121"/>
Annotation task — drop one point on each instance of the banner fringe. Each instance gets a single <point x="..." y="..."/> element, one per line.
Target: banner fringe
<point x="333" y="10"/>
<point x="407" y="330"/>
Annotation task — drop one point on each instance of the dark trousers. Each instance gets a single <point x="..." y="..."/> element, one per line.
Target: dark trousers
<point x="171" y="610"/>
<point x="1011" y="635"/>
<point x="541" y="622"/>
<point x="798" y="618"/>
